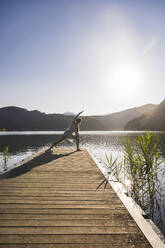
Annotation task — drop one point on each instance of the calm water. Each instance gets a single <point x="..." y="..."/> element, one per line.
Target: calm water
<point x="25" y="144"/>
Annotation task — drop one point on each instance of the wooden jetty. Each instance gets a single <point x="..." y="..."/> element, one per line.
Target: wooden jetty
<point x="52" y="202"/>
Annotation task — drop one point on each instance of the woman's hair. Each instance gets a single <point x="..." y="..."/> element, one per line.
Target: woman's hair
<point x="79" y="120"/>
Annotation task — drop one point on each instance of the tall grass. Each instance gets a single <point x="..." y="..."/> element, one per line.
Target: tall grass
<point x="142" y="162"/>
<point x="5" y="157"/>
<point x="5" y="153"/>
<point x="112" y="170"/>
<point x="140" y="166"/>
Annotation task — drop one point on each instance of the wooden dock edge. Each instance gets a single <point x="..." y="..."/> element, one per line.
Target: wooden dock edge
<point x="24" y="161"/>
<point x="135" y="211"/>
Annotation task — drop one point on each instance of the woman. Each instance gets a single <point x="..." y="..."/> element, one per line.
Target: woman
<point x="74" y="128"/>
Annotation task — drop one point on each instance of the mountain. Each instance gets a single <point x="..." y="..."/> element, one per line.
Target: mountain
<point x="68" y="113"/>
<point x="117" y="121"/>
<point x="154" y="120"/>
<point x="19" y="119"/>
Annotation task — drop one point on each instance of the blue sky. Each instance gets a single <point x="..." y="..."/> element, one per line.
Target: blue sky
<point x="101" y="56"/>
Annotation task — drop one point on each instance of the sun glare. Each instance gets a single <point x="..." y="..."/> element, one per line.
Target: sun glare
<point x="126" y="78"/>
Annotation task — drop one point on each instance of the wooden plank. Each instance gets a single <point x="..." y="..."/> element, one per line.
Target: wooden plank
<point x="61" y="205"/>
<point x="144" y="245"/>
<point x="61" y="201"/>
<point x="54" y="179"/>
<point x="39" y="216"/>
<point x="120" y="239"/>
<point x="51" y="190"/>
<point x="68" y="230"/>
<point x="60" y="193"/>
<point x="62" y="197"/>
<point x="63" y="211"/>
<point x="71" y="222"/>
<point x="53" y="185"/>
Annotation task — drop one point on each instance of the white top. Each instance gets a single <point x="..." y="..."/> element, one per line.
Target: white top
<point x="71" y="129"/>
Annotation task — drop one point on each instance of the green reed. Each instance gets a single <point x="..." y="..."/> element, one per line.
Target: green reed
<point x="140" y="166"/>
<point x="5" y="157"/>
<point x="113" y="169"/>
<point x="142" y="162"/>
<point x="5" y="153"/>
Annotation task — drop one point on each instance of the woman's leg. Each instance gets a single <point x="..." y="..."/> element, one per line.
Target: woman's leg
<point x="77" y="141"/>
<point x="57" y="142"/>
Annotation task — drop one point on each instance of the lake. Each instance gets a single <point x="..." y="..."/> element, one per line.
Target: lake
<point x="25" y="144"/>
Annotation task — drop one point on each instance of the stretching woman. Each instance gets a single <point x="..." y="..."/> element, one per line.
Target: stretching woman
<point x="74" y="128"/>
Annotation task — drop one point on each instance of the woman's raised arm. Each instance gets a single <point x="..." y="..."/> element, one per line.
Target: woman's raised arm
<point x="77" y="116"/>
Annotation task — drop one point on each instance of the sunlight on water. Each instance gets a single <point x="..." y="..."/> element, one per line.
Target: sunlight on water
<point x="25" y="144"/>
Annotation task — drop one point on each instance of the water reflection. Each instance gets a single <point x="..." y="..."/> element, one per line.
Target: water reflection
<point x="23" y="144"/>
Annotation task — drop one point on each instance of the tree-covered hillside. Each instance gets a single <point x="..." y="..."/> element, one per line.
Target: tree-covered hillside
<point x="154" y="120"/>
<point x="15" y="118"/>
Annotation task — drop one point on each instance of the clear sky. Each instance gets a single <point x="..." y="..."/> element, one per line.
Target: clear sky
<point x="101" y="56"/>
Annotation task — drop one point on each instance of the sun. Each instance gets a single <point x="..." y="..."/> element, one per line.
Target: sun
<point x="126" y="78"/>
